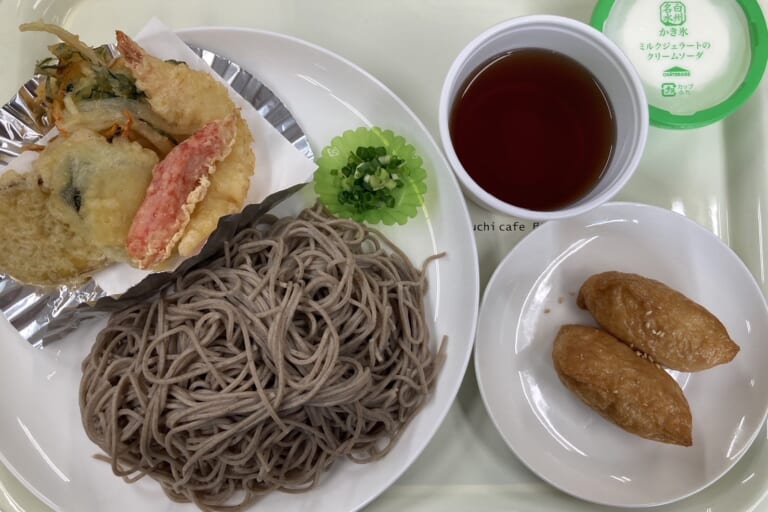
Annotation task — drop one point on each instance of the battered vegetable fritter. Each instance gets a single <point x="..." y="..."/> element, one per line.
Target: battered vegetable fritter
<point x="96" y="186"/>
<point x="45" y="251"/>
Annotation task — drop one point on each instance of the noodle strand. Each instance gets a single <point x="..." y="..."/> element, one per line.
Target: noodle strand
<point x="305" y="342"/>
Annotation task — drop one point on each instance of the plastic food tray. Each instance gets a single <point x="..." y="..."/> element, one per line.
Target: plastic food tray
<point x="717" y="176"/>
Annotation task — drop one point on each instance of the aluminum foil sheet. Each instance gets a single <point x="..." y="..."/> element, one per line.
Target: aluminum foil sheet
<point x="45" y="315"/>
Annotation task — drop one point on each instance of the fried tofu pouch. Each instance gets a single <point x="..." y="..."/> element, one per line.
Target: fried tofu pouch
<point x="652" y="317"/>
<point x="621" y="386"/>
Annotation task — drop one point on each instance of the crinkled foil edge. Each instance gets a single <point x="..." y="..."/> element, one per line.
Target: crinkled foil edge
<point x="45" y="315"/>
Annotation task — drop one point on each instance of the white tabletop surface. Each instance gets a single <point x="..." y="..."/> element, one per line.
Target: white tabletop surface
<point x="409" y="45"/>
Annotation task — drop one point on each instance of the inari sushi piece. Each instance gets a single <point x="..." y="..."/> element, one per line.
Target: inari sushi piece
<point x="649" y="316"/>
<point x="621" y="386"/>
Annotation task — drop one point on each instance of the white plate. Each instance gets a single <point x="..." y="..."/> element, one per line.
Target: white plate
<point x="533" y="292"/>
<point x="41" y="438"/>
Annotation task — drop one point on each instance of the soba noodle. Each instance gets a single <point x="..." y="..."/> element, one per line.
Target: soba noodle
<point x="306" y="341"/>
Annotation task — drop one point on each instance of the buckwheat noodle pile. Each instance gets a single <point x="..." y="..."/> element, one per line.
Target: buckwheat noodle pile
<point x="305" y="342"/>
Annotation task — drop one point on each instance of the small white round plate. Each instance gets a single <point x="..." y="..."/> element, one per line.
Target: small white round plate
<point x="533" y="292"/>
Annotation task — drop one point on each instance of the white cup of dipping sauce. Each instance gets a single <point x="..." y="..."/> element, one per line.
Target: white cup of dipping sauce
<point x="542" y="117"/>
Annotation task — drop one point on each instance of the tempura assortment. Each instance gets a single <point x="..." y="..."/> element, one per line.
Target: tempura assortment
<point x="147" y="156"/>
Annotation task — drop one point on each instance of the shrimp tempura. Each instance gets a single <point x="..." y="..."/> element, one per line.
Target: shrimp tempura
<point x="189" y="99"/>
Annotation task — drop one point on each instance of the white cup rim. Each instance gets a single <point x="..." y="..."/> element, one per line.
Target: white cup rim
<point x="488" y="200"/>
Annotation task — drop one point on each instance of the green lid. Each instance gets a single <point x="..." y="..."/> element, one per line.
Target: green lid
<point x="699" y="60"/>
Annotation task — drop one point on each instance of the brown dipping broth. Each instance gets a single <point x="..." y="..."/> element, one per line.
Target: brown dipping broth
<point x="534" y="128"/>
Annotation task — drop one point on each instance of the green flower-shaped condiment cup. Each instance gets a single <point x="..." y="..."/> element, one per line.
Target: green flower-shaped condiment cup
<point x="408" y="197"/>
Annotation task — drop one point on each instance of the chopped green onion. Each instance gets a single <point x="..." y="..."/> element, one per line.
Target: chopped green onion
<point x="369" y="177"/>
